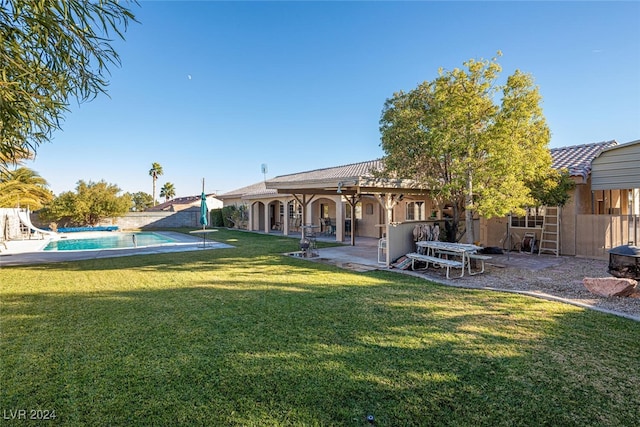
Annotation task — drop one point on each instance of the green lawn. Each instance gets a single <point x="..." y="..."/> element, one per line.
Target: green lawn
<point x="247" y="337"/>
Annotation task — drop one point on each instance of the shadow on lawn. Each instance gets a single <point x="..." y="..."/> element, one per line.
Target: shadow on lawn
<point x="273" y="353"/>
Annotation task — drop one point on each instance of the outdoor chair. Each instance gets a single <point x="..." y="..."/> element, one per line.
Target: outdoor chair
<point x="329" y="228"/>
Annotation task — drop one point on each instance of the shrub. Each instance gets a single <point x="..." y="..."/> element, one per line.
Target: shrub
<point x="217" y="219"/>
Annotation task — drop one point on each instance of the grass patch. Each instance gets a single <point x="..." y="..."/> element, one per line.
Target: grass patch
<point x="246" y="336"/>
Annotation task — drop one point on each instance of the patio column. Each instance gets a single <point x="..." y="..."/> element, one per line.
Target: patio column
<point x="304" y="202"/>
<point x="267" y="217"/>
<point x="285" y="220"/>
<point x="339" y="219"/>
<point x="308" y="214"/>
<point x="252" y="206"/>
<point x="353" y="200"/>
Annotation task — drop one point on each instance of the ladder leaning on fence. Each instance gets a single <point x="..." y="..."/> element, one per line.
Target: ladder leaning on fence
<point x="550" y="237"/>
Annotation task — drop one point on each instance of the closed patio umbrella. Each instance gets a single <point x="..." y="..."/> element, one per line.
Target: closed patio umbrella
<point x="204" y="218"/>
<point x="204" y="211"/>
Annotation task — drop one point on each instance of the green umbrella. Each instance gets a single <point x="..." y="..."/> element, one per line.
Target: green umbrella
<point x="204" y="211"/>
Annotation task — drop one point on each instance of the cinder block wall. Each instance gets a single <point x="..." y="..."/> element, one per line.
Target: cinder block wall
<point x="138" y="220"/>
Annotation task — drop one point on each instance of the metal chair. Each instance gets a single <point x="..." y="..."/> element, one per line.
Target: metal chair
<point x="329" y="228"/>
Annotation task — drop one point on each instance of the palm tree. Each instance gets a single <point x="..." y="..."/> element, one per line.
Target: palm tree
<point x="14" y="158"/>
<point x="154" y="173"/>
<point x="168" y="191"/>
<point x="23" y="187"/>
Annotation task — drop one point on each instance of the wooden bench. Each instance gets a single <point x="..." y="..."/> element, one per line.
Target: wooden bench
<point x="441" y="262"/>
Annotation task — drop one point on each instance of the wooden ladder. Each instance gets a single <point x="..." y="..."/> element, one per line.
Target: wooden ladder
<point x="550" y="237"/>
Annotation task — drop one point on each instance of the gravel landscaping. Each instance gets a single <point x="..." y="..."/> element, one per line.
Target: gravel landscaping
<point x="544" y="276"/>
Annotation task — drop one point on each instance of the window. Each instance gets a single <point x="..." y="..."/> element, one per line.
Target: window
<point x="415" y="211"/>
<point x="295" y="210"/>
<point x="358" y="209"/>
<point x="369" y="209"/>
<point x="533" y="218"/>
<point x="324" y="210"/>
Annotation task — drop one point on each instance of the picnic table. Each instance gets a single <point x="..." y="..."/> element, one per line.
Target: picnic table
<point x="441" y="254"/>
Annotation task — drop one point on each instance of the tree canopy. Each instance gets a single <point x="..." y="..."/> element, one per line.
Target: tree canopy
<point x="91" y="203"/>
<point x="168" y="191"/>
<point x="52" y="52"/>
<point x="140" y="201"/>
<point x="552" y="189"/>
<point x="452" y="138"/>
<point x="23" y="187"/>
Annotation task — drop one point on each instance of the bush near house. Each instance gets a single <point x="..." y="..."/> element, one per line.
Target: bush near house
<point x="235" y="216"/>
<point x="217" y="218"/>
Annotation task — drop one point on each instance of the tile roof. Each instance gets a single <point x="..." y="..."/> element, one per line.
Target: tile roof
<point x="188" y="200"/>
<point x="352" y="170"/>
<point x="259" y="188"/>
<point x="577" y="158"/>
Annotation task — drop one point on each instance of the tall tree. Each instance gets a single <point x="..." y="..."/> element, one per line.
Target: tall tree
<point x="154" y="173"/>
<point x="52" y="52"/>
<point x="451" y="137"/>
<point x="168" y="191"/>
<point x="23" y="187"/>
<point x="140" y="201"/>
<point x="91" y="202"/>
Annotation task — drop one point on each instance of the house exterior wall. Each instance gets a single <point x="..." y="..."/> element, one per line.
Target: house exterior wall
<point x="617" y="168"/>
<point x="370" y="217"/>
<point x="581" y="232"/>
<point x="235" y="201"/>
<point x="494" y="231"/>
<point x="212" y="203"/>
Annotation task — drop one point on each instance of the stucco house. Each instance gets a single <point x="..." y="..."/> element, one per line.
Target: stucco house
<point x="349" y="197"/>
<point x="178" y="212"/>
<point x="604" y="206"/>
<point x="181" y="203"/>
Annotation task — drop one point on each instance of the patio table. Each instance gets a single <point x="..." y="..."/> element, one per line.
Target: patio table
<point x="204" y="232"/>
<point x="463" y="250"/>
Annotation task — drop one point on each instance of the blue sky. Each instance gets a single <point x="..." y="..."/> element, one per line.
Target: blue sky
<point x="215" y="89"/>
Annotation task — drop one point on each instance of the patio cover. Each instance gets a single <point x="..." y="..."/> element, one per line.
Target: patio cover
<point x="351" y="181"/>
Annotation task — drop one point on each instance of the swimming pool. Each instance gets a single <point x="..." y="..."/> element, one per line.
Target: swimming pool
<point x="115" y="241"/>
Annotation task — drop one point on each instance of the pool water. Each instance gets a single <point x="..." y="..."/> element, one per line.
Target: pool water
<point x="116" y="241"/>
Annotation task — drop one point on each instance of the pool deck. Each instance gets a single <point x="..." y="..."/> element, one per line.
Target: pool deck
<point x="29" y="252"/>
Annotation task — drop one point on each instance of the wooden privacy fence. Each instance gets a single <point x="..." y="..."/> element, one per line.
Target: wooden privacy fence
<point x="596" y="234"/>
